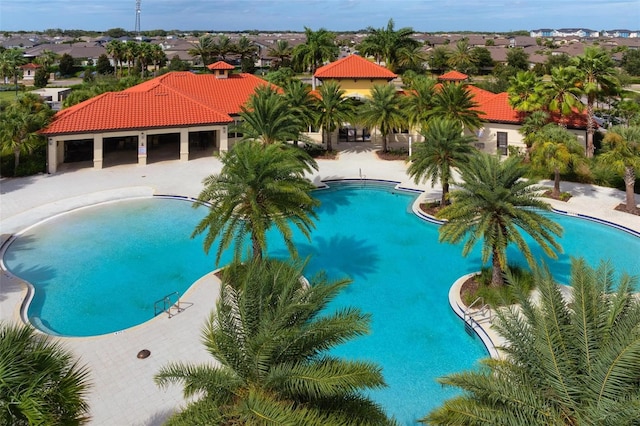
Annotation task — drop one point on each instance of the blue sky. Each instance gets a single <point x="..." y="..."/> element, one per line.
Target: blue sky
<point x="336" y="15"/>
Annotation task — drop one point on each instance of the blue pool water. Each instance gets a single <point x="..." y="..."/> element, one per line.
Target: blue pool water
<point x="100" y="270"/>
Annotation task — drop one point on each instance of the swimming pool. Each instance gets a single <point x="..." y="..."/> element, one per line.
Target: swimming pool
<point x="88" y="264"/>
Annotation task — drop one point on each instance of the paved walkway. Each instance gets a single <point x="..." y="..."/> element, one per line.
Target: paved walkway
<point x="123" y="390"/>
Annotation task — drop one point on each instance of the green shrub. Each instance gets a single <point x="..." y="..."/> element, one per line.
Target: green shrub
<point x="30" y="164"/>
<point x="502" y="296"/>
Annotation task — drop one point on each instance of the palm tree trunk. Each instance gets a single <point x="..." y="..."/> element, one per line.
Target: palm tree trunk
<point x="445" y="192"/>
<point x="329" y="147"/>
<point x="385" y="147"/>
<point x="497" y="280"/>
<point x="556" y="183"/>
<point x="16" y="161"/>
<point x="257" y="250"/>
<point x="590" y="130"/>
<point x="629" y="182"/>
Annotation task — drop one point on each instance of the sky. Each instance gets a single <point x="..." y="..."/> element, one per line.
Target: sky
<point x="335" y="15"/>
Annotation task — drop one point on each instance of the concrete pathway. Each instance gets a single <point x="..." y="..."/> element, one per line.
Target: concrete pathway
<point x="123" y="390"/>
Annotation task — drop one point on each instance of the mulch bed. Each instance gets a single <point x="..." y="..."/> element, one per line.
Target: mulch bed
<point x="469" y="287"/>
<point x="623" y="208"/>
<point x="564" y="196"/>
<point x="430" y="208"/>
<point x="391" y="156"/>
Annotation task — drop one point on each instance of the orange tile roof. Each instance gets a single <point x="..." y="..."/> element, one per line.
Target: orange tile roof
<point x="353" y="66"/>
<point x="174" y="99"/>
<point x="453" y="76"/>
<point x="221" y="65"/>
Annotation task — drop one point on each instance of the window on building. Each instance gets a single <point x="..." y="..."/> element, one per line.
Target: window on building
<point x="503" y="143"/>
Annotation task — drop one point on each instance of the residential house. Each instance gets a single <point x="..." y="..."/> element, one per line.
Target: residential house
<point x="29" y="72"/>
<point x="179" y="115"/>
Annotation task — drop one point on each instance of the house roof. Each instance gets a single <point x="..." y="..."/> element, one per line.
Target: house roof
<point x="354" y="66"/>
<point x="220" y="65"/>
<point x="30" y="66"/>
<point x="453" y="76"/>
<point x="171" y="100"/>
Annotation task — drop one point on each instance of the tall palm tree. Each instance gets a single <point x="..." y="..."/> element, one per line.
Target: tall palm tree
<point x="566" y="363"/>
<point x="10" y="61"/>
<point x="556" y="150"/>
<point x="333" y="109"/>
<point x="455" y="102"/>
<point x="444" y="148"/>
<point x="259" y="187"/>
<point x="205" y="49"/>
<point x="598" y="75"/>
<point x="41" y="383"/>
<point x="439" y="59"/>
<point x="389" y="45"/>
<point x="622" y="154"/>
<point x="494" y="204"/>
<point x="524" y="94"/>
<point x="420" y="101"/>
<point x="301" y="104"/>
<point x="461" y="58"/>
<point x="267" y="117"/>
<point x="130" y="53"/>
<point x="384" y="110"/>
<point x="320" y="46"/>
<point x="47" y="58"/>
<point x="563" y="92"/>
<point x="222" y="46"/>
<point x="158" y="57"/>
<point x="283" y="51"/>
<point x="21" y="121"/>
<point x="271" y="335"/>
<point x="115" y="48"/>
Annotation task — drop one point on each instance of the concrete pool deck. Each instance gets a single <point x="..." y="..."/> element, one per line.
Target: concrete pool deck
<point x="123" y="390"/>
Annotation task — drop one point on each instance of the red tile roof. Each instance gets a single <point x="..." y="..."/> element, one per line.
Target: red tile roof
<point x="220" y="65"/>
<point x="172" y="100"/>
<point x="30" y="66"/>
<point x="453" y="76"/>
<point x="353" y="66"/>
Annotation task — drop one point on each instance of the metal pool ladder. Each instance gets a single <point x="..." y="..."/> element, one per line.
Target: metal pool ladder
<point x="469" y="320"/>
<point x="168" y="306"/>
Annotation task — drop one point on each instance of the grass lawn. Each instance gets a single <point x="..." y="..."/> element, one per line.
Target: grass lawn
<point x="8" y="96"/>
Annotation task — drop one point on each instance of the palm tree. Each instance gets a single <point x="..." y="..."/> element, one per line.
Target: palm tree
<point x="461" y="58"/>
<point x="496" y="205"/>
<point x="455" y="102"/>
<point x="333" y="109"/>
<point x="205" y="49"/>
<point x="390" y="46"/>
<point x="130" y="53"/>
<point x="444" y="148"/>
<point x="420" y="101"/>
<point x="270" y="335"/>
<point x="267" y="117"/>
<point x="47" y="58"/>
<point x="222" y="46"/>
<point x="524" y="94"/>
<point x="622" y="154"/>
<point x="556" y="150"/>
<point x="115" y="48"/>
<point x="531" y="125"/>
<point x="562" y="93"/>
<point x="10" y="61"/>
<point x="158" y="57"/>
<point x="21" y="121"/>
<point x="566" y="363"/>
<point x="439" y="59"/>
<point x="260" y="186"/>
<point x="319" y="47"/>
<point x="301" y="103"/>
<point x="247" y="51"/>
<point x="598" y="75"/>
<point x="40" y="382"/>
<point x="283" y="51"/>
<point x="384" y="110"/>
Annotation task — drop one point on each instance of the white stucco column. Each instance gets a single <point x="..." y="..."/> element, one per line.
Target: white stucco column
<point x="52" y="155"/>
<point x="184" y="144"/>
<point x="97" y="151"/>
<point x="224" y="139"/>
<point x="142" y="149"/>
